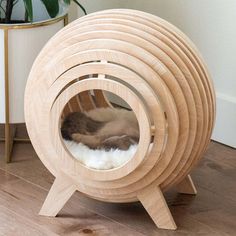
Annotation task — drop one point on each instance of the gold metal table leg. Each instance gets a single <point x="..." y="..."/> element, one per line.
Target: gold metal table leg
<point x="10" y="131"/>
<point x="8" y="141"/>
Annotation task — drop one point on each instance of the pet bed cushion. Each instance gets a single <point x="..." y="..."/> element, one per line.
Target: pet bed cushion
<point x="100" y="159"/>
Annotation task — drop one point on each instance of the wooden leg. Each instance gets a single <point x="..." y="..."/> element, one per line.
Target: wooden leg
<point x="58" y="195"/>
<point x="10" y="131"/>
<point x="187" y="186"/>
<point x="156" y="206"/>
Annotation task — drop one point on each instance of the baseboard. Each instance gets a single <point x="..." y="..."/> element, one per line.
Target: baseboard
<point x="225" y="127"/>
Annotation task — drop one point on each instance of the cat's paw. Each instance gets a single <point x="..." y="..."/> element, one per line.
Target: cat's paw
<point x="77" y="137"/>
<point x="118" y="142"/>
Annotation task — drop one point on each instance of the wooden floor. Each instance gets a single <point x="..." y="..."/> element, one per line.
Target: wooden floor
<point x="25" y="182"/>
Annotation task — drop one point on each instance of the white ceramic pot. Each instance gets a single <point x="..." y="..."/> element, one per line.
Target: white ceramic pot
<point x="19" y="46"/>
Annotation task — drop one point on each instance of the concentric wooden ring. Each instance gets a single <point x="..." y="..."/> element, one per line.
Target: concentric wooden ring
<point x="150" y="59"/>
<point x="129" y="78"/>
<point x="70" y="165"/>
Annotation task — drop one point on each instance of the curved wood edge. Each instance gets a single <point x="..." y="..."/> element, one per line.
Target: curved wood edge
<point x="60" y="192"/>
<point x="155" y="204"/>
<point x="151" y="198"/>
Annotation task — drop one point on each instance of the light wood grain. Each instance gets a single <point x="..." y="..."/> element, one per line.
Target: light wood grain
<point x="21" y="201"/>
<point x="151" y="65"/>
<point x="155" y="204"/>
<point x="205" y="214"/>
<point x="59" y="194"/>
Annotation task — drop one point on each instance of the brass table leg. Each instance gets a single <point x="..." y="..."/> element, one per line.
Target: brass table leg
<point x="10" y="131"/>
<point x="8" y="140"/>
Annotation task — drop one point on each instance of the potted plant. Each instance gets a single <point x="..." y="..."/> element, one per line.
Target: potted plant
<point x="52" y="7"/>
<point x="25" y="26"/>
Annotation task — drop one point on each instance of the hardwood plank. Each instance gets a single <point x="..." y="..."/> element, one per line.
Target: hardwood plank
<point x="26" y="165"/>
<point x="211" y="212"/>
<point x="217" y="171"/>
<point x="134" y="215"/>
<point x="211" y="209"/>
<point x="13" y="224"/>
<point x="223" y="155"/>
<point x="25" y="199"/>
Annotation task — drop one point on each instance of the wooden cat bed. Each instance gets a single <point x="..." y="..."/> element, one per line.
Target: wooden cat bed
<point x="158" y="71"/>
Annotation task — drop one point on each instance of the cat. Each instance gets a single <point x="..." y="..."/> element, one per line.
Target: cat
<point x="102" y="128"/>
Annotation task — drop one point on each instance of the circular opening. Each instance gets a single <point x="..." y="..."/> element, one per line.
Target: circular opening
<point x="70" y="165"/>
<point x="99" y="129"/>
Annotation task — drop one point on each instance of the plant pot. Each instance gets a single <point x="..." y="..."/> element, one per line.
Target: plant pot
<point x="19" y="46"/>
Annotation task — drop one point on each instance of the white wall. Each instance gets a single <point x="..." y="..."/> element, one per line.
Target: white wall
<point x="92" y="6"/>
<point x="211" y="24"/>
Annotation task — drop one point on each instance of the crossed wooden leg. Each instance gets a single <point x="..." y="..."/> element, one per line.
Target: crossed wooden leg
<point x="156" y="206"/>
<point x="154" y="202"/>
<point x="151" y="198"/>
<point x="60" y="192"/>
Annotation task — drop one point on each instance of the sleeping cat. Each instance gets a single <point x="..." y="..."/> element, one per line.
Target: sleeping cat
<point x="102" y="128"/>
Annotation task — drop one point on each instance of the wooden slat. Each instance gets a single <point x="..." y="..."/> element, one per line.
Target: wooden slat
<point x="153" y="67"/>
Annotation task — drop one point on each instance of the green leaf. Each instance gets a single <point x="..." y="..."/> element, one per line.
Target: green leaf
<point x="67" y="2"/>
<point x="29" y="9"/>
<point x="52" y="7"/>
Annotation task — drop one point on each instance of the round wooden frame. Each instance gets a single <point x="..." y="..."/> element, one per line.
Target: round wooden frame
<point x="73" y="168"/>
<point x="158" y="71"/>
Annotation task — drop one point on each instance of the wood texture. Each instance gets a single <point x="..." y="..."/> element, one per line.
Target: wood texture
<point x="59" y="194"/>
<point x="25" y="182"/>
<point x="187" y="186"/>
<point x="151" y="65"/>
<point x="156" y="206"/>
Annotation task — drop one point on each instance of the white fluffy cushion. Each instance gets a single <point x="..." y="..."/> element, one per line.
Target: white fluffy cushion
<point x="100" y="159"/>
